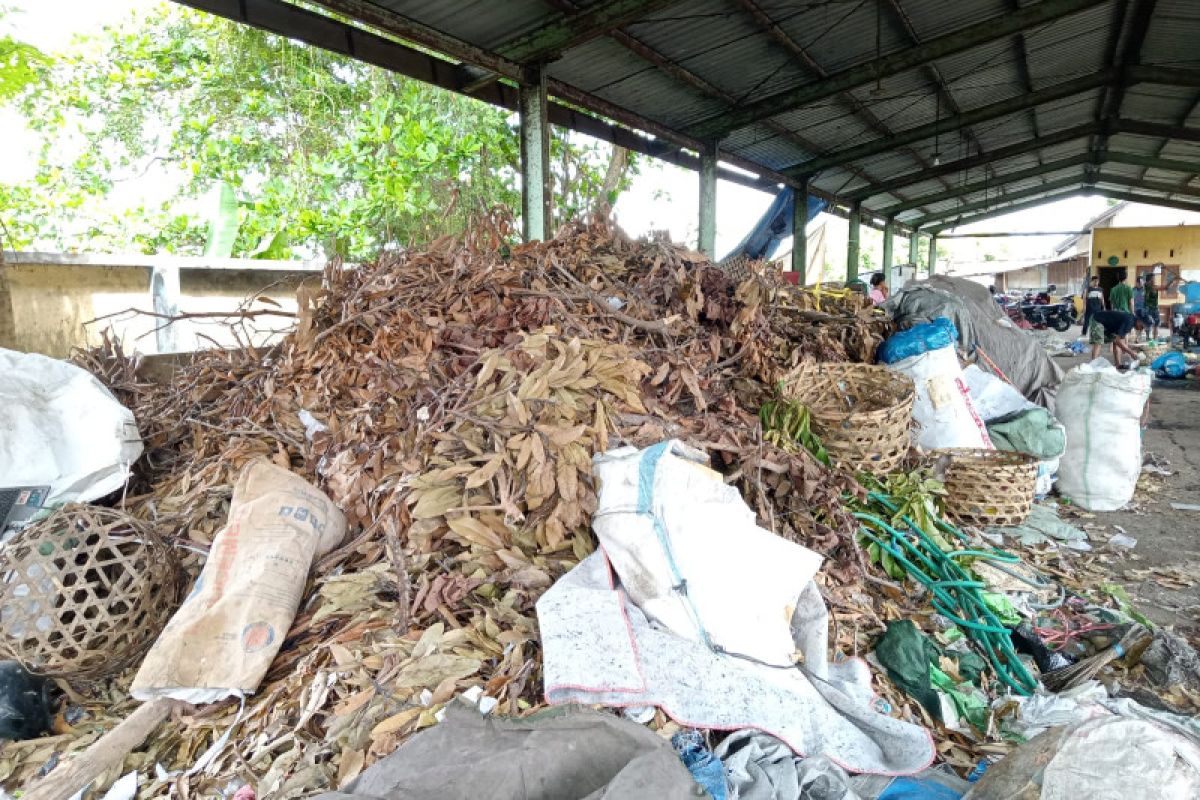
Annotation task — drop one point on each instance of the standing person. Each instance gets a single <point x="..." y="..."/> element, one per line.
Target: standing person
<point x="1139" y="304"/>
<point x="1120" y="297"/>
<point x="879" y="289"/>
<point x="1111" y="326"/>
<point x="1150" y="317"/>
<point x="1093" y="301"/>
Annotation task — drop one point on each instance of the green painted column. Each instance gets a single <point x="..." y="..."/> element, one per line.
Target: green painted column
<point x="888" y="234"/>
<point x="852" y="242"/>
<point x="914" y="244"/>
<point x="933" y="254"/>
<point x="536" y="213"/>
<point x="800" y="235"/>
<point x="708" y="201"/>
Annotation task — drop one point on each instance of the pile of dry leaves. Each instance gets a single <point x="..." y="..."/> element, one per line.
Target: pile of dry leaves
<point x="450" y="401"/>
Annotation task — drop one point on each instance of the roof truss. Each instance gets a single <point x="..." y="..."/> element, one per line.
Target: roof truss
<point x="919" y="55"/>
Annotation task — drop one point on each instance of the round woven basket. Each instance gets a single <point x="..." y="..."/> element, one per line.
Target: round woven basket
<point x="84" y="592"/>
<point x="988" y="487"/>
<point x="862" y="413"/>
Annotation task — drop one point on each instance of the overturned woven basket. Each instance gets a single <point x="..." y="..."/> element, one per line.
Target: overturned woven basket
<point x="861" y="413"/>
<point x="84" y="592"/>
<point x="988" y="487"/>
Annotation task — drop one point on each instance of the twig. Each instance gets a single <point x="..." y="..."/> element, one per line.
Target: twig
<point x="600" y="303"/>
<point x="244" y="314"/>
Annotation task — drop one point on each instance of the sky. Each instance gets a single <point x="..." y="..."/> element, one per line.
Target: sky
<point x="662" y="196"/>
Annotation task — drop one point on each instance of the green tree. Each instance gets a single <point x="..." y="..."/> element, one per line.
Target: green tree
<point x="21" y="64"/>
<point x="322" y="153"/>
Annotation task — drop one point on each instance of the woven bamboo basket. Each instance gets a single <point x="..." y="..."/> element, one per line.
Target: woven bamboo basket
<point x="85" y="592"/>
<point x="988" y="487"/>
<point x="862" y="413"/>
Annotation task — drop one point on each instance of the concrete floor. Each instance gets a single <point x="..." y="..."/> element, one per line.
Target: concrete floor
<point x="1162" y="573"/>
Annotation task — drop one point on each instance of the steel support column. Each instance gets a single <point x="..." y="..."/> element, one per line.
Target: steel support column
<point x="535" y="157"/>
<point x="914" y="245"/>
<point x="933" y="254"/>
<point x="708" y="201"/>
<point x="852" y="242"/>
<point x="888" y="226"/>
<point x="800" y="235"/>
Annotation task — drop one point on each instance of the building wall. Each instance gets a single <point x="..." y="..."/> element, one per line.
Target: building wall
<point x="51" y="303"/>
<point x="1176" y="247"/>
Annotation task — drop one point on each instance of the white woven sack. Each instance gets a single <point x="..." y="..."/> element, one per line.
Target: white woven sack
<point x="1101" y="409"/>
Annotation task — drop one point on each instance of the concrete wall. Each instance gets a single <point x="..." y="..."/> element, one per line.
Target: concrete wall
<point x="50" y="302"/>
<point x="1176" y="247"/>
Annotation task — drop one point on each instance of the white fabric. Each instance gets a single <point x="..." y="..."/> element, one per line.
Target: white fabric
<point x="943" y="410"/>
<point x="675" y="536"/>
<point x="1101" y="409"/>
<point x="701" y="545"/>
<point x="61" y="427"/>
<point x="1109" y="758"/>
<point x="992" y="396"/>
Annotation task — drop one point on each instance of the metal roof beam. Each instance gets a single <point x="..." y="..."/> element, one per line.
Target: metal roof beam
<point x="949" y="221"/>
<point x="991" y="182"/>
<point x="1167" y="76"/>
<point x="1148" y="186"/>
<point x="982" y="114"/>
<point x="1000" y="154"/>
<point x="1180" y="120"/>
<point x="1158" y="130"/>
<point x="689" y="78"/>
<point x="902" y="61"/>
<point x="935" y="74"/>
<point x="1139" y="24"/>
<point x="335" y="36"/>
<point x="796" y="51"/>
<point x="1132" y="197"/>
<point x="1129" y="197"/>
<point x="1153" y="162"/>
<point x="571" y="30"/>
<point x="983" y="205"/>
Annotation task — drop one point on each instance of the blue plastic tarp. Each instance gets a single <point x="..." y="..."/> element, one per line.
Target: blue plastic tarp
<point x="775" y="225"/>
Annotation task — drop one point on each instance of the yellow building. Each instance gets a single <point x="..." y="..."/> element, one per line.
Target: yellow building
<point x="1138" y="250"/>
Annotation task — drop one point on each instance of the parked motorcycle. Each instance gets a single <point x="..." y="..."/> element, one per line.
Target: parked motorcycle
<point x="1060" y="316"/>
<point x="1187" y="327"/>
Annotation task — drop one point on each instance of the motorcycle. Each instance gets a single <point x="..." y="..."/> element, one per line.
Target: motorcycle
<point x="1060" y="316"/>
<point x="1187" y="327"/>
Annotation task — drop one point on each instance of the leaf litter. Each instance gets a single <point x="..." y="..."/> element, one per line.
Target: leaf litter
<point x="461" y="392"/>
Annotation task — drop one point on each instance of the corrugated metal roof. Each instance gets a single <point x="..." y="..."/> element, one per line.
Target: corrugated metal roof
<point x="1174" y="35"/>
<point x="714" y="68"/>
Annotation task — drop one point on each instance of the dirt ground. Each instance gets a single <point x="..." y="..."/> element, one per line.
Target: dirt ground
<point x="1162" y="572"/>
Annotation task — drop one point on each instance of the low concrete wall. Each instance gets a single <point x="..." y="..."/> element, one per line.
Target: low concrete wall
<point x="48" y="301"/>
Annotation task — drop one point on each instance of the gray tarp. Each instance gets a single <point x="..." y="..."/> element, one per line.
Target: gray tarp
<point x="568" y="753"/>
<point x="982" y="326"/>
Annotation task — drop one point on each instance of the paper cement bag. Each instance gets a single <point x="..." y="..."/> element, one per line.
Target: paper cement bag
<point x="226" y="634"/>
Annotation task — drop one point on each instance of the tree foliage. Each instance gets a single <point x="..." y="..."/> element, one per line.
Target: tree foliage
<point x="322" y="154"/>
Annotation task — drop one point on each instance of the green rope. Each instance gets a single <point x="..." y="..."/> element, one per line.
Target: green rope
<point x="957" y="595"/>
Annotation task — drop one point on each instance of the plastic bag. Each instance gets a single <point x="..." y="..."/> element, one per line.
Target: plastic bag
<point x="917" y="340"/>
<point x="943" y="410"/>
<point x="61" y="427"/>
<point x="1101" y="409"/>
<point x="1171" y="364"/>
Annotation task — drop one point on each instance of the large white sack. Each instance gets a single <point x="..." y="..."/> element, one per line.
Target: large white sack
<point x="663" y="514"/>
<point x="943" y="410"/>
<point x="61" y="427"/>
<point x="1101" y="409"/>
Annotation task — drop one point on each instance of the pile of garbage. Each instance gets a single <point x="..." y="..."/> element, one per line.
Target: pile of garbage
<point x="478" y="482"/>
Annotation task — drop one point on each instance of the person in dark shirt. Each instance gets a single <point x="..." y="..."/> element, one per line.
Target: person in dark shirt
<point x="1111" y="326"/>
<point x="1093" y="301"/>
<point x="1149" y="315"/>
